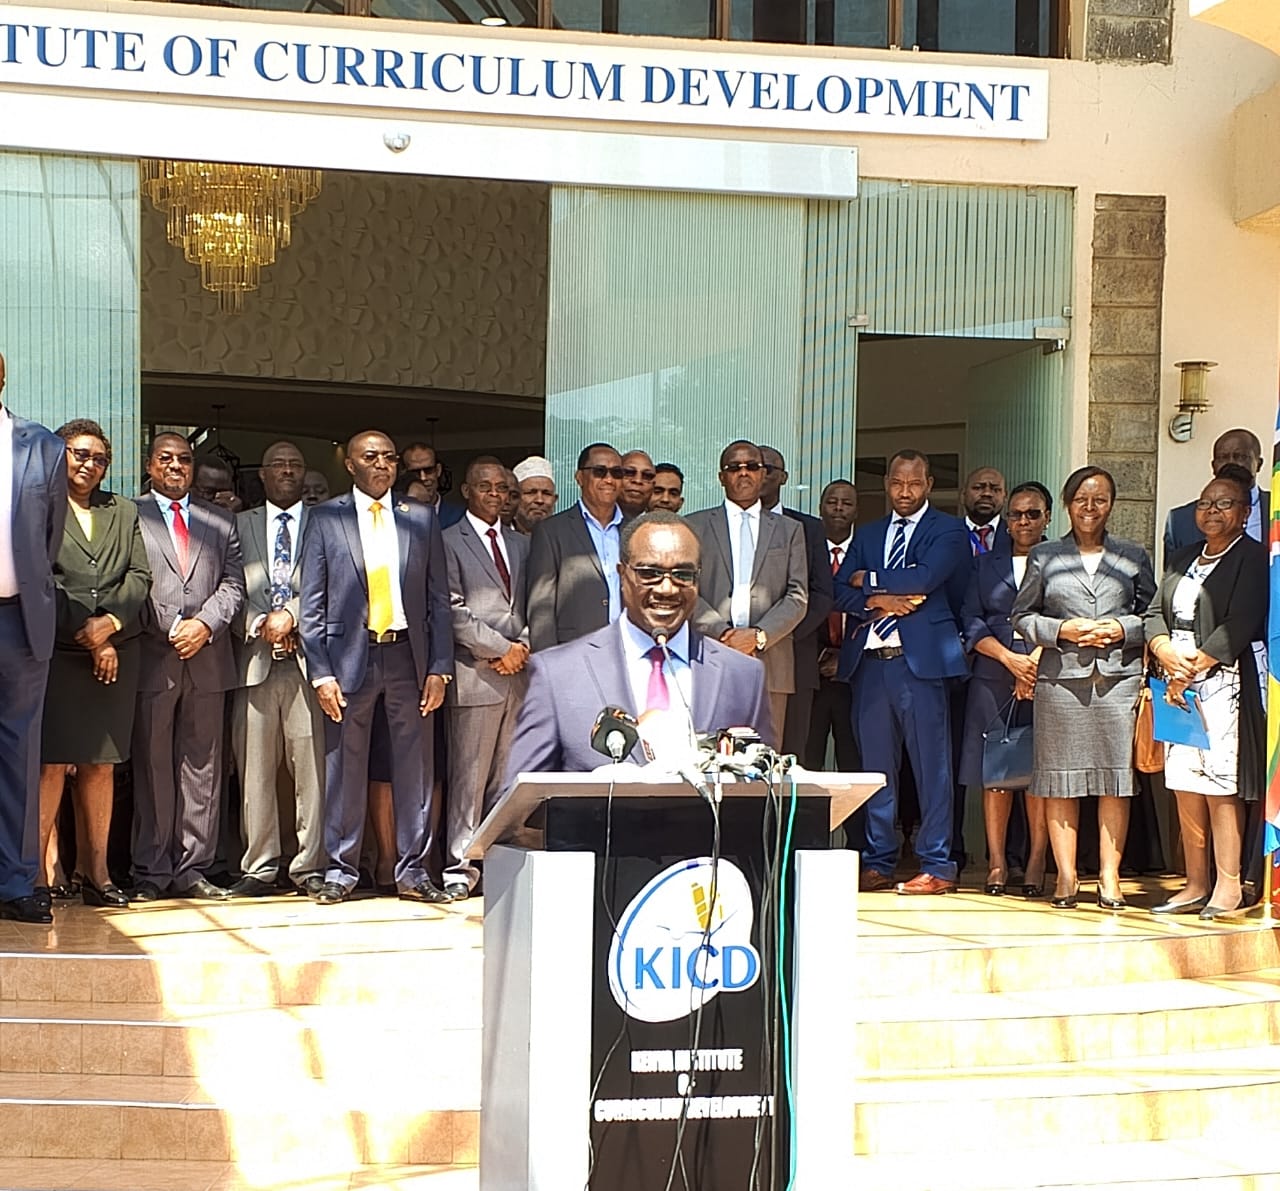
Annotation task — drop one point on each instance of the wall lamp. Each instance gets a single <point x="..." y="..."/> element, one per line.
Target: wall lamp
<point x="1193" y="397"/>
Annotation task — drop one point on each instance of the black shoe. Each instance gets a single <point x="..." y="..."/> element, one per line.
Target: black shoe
<point x="1191" y="907"/>
<point x="994" y="889"/>
<point x="25" y="909"/>
<point x="146" y="891"/>
<point x="68" y="892"/>
<point x="364" y="879"/>
<point x="311" y="885"/>
<point x="252" y="887"/>
<point x="1067" y="903"/>
<point x="458" y="891"/>
<point x="43" y="896"/>
<point x="425" y="891"/>
<point x="1033" y="891"/>
<point x="108" y="895"/>
<point x="205" y="890"/>
<point x="331" y="893"/>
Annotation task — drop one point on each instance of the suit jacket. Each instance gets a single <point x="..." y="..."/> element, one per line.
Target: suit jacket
<point x="39" y="515"/>
<point x="486" y="621"/>
<point x="449" y="513"/>
<point x="1180" y="530"/>
<point x="568" y="596"/>
<point x="939" y="564"/>
<point x="1058" y="588"/>
<point x="821" y="600"/>
<point x="211" y="591"/>
<point x="335" y="592"/>
<point x="779" y="586"/>
<point x="987" y="606"/>
<point x="1232" y="610"/>
<point x="257" y="541"/>
<point x="569" y="686"/>
<point x="108" y="574"/>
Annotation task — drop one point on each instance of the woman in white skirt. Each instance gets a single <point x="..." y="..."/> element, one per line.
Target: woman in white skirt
<point x="1205" y="629"/>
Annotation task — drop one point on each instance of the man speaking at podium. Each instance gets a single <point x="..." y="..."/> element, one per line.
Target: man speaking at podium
<point x="649" y="662"/>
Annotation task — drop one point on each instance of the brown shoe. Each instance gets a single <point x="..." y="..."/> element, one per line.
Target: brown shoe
<point x="926" y="883"/>
<point x="871" y="881"/>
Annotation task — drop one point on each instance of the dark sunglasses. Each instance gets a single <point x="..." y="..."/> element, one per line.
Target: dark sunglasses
<point x="647" y="476"/>
<point x="652" y="576"/>
<point x="600" y="471"/>
<point x="81" y="455"/>
<point x="744" y="465"/>
<point x="1026" y="515"/>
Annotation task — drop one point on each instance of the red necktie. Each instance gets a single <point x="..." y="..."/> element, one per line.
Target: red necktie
<point x="835" y="620"/>
<point x="180" y="536"/>
<point x="499" y="561"/>
<point x="657" y="698"/>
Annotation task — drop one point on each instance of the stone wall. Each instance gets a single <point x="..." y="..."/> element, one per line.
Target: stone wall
<point x="1129" y="30"/>
<point x="1124" y="354"/>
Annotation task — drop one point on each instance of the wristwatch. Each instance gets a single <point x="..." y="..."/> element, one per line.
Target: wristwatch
<point x="762" y="640"/>
<point x="445" y="678"/>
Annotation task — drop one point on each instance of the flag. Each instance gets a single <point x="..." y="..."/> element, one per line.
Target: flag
<point x="1271" y="836"/>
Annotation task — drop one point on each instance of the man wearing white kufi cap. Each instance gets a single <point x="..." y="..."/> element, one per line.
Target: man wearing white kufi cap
<point x="537" y="492"/>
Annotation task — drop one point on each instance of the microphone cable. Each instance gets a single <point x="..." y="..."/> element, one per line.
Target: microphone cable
<point x="788" y="1083"/>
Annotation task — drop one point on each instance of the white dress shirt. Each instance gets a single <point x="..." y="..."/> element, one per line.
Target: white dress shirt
<point x="482" y="529"/>
<point x="835" y="560"/>
<point x="8" y="569"/>
<point x="382" y="549"/>
<point x="973" y="527"/>
<point x="740" y="601"/>
<point x="893" y="640"/>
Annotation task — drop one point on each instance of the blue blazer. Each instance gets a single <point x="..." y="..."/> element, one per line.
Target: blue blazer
<point x="39" y="518"/>
<point x="939" y="563"/>
<point x="335" y="594"/>
<point x="569" y="685"/>
<point x="987" y="606"/>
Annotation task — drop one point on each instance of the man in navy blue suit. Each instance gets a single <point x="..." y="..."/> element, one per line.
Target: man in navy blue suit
<point x="901" y="586"/>
<point x="33" y="512"/>
<point x="419" y="461"/>
<point x="376" y="622"/>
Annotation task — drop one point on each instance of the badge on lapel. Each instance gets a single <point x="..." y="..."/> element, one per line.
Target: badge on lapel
<point x="402" y="507"/>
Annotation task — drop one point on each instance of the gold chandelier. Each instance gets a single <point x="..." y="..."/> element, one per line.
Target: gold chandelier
<point x="228" y="219"/>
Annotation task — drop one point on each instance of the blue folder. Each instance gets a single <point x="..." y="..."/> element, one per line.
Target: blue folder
<point x="1177" y="725"/>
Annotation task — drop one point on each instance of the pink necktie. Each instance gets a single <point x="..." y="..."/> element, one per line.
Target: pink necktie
<point x="658" y="698"/>
<point x="984" y="539"/>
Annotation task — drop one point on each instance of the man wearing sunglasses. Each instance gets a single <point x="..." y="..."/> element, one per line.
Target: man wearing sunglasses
<point x="653" y="662"/>
<point x="574" y="587"/>
<point x="754" y="589"/>
<point x="638" y="475"/>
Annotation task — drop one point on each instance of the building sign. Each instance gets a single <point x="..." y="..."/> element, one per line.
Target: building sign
<point x="440" y="70"/>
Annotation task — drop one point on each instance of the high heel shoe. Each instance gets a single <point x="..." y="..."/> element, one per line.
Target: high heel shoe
<point x="1069" y="902"/>
<point x="108" y="895"/>
<point x="1210" y="913"/>
<point x="993" y="888"/>
<point x="1032" y="891"/>
<point x="1111" y="903"/>
<point x="1191" y="907"/>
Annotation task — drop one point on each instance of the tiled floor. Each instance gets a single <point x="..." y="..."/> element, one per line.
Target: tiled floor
<point x="55" y="1174"/>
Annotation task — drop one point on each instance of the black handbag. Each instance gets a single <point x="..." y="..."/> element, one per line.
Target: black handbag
<point x="1007" y="751"/>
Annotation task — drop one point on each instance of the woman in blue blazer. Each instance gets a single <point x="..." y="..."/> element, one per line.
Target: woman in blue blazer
<point x="1004" y="668"/>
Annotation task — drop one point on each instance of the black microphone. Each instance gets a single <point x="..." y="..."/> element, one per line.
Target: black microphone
<point x="615" y="733"/>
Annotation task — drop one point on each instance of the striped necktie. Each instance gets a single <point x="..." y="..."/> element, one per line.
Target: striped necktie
<point x="886" y="626"/>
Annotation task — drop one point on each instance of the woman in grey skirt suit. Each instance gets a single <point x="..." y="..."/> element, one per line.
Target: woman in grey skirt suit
<point x="1082" y="602"/>
<point x="102" y="581"/>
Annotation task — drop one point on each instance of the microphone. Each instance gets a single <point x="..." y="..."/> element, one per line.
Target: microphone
<point x="615" y="733"/>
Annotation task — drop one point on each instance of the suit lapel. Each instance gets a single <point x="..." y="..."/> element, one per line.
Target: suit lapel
<point x="481" y="550"/>
<point x="22" y="436"/>
<point x="720" y="532"/>
<point x="404" y="537"/>
<point x="200" y="526"/>
<point x="75" y="535"/>
<point x="257" y="544"/>
<point x="578" y="529"/>
<point x="149" y="514"/>
<point x="513" y="559"/>
<point x="351" y="527"/>
<point x="607" y="666"/>
<point x="706" y="676"/>
<point x="763" y="540"/>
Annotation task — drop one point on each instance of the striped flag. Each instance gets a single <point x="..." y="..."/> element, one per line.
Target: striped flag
<point x="1271" y="838"/>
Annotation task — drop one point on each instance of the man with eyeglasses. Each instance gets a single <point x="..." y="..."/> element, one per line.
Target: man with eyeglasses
<point x="419" y="461"/>
<point x="275" y="716"/>
<point x="197" y="588"/>
<point x="33" y="513"/>
<point x="574" y="587"/>
<point x="638" y="475"/>
<point x="488" y="582"/>
<point x="754" y="589"/>
<point x="375" y="624"/>
<point x="652" y="662"/>
<point x="1242" y="448"/>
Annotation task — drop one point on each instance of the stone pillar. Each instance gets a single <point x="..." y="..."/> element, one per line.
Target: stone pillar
<point x="1129" y="30"/>
<point x="1124" y="354"/>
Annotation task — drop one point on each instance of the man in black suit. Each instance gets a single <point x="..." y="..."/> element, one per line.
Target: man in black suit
<point x="418" y="461"/>
<point x="638" y="475"/>
<point x="1242" y="448"/>
<point x="33" y="512"/>
<point x="795" y="731"/>
<point x="375" y="622"/>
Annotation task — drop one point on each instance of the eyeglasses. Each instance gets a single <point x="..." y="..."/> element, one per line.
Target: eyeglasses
<point x="600" y="471"/>
<point x="167" y="457"/>
<point x="374" y="456"/>
<point x="81" y="455"/>
<point x="1026" y="514"/>
<point x="284" y="465"/>
<point x="744" y="465"/>
<point x="1223" y="505"/>
<point x="647" y="476"/>
<point x="487" y="489"/>
<point x="651" y="576"/>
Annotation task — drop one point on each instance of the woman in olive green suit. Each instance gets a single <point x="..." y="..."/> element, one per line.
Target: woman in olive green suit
<point x="102" y="581"/>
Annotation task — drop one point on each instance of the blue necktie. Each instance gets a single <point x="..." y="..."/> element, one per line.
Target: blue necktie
<point x="746" y="562"/>
<point x="282" y="566"/>
<point x="887" y="625"/>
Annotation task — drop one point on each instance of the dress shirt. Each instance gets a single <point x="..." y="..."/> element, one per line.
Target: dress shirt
<point x="166" y="512"/>
<point x="973" y="527"/>
<point x="893" y="640"/>
<point x="740" y="601"/>
<point x="381" y="549"/>
<point x="482" y="529"/>
<point x="8" y="569"/>
<point x="606" y="540"/>
<point x="273" y="528"/>
<point x="1253" y="527"/>
<point x="636" y="643"/>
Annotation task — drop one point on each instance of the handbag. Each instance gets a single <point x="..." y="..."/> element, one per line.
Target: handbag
<point x="1007" y="752"/>
<point x="1177" y="725"/>
<point x="1148" y="754"/>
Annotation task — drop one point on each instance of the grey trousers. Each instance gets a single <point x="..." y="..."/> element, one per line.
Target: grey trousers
<point x="479" y="743"/>
<point x="280" y="720"/>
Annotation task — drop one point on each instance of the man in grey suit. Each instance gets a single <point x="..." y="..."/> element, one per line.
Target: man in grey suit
<point x="573" y="556"/>
<point x="623" y="664"/>
<point x="197" y="587"/>
<point x="33" y="512"/>
<point x="274" y="714"/>
<point x="488" y="581"/>
<point x="754" y="589"/>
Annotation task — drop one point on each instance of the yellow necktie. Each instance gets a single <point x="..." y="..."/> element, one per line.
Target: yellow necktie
<point x="379" y="582"/>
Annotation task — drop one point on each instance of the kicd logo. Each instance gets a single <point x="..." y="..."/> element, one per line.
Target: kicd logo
<point x="674" y="950"/>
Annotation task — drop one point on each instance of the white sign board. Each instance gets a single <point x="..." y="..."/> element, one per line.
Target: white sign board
<point x="437" y="71"/>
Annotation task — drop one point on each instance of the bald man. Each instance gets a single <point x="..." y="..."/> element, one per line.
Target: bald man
<point x="1236" y="446"/>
